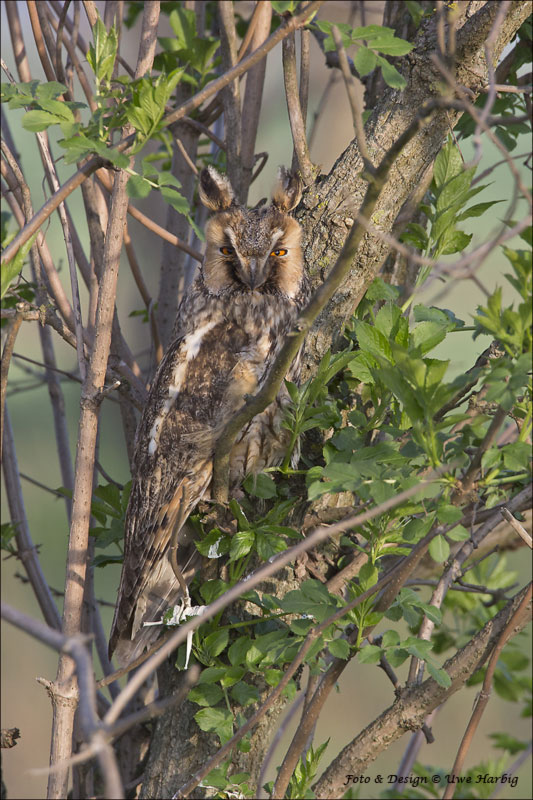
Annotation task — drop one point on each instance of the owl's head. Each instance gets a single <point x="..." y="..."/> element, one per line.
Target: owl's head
<point x="252" y="250"/>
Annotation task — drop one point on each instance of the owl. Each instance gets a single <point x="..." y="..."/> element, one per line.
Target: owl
<point x="230" y="327"/>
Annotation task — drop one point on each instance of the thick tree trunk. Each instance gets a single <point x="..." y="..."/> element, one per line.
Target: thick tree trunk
<point x="329" y="208"/>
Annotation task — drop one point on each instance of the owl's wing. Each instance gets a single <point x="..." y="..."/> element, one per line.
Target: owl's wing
<point x="199" y="385"/>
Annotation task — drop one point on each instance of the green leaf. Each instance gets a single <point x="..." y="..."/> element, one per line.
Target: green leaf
<point x="239" y="648"/>
<point x="390" y="639"/>
<point x="295" y="602"/>
<point x="442" y="316"/>
<point x="364" y="60"/>
<point x="268" y="545"/>
<point x="453" y="242"/>
<point x="416" y="529"/>
<point x="477" y="210"/>
<point x="244" y="694"/>
<point x="273" y="676"/>
<point x="368" y="576"/>
<point x="416" y="235"/>
<point x="216" y="642"/>
<point x="447" y="164"/>
<point x="372" y="341"/>
<point x="427" y="335"/>
<point x="391" y="46"/>
<point x="503" y="741"/>
<point x="102" y="53"/>
<point x="371" y="32"/>
<point x="284" y="6"/>
<point x="176" y="200"/>
<point x="210" y="590"/>
<point x="458" y="534"/>
<point x="454" y="191"/>
<point x="419" y="648"/>
<point x="10" y="269"/>
<point x="261" y="485"/>
<point x="211" y="674"/>
<point x="517" y="456"/>
<point x="138" y="186"/>
<point x="231" y="676"/>
<point x="391" y="76"/>
<point x="218" y="720"/>
<point x="370" y="654"/>
<point x="36" y="121"/>
<point x="439" y="675"/>
<point x="446" y="513"/>
<point x="241" y="544"/>
<point x="396" y="656"/>
<point x="208" y="694"/>
<point x="439" y="549"/>
<point x="8" y="530"/>
<point x="339" y="648"/>
<point x="214" y="545"/>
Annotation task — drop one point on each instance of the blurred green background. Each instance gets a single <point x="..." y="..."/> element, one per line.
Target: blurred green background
<point x="364" y="691"/>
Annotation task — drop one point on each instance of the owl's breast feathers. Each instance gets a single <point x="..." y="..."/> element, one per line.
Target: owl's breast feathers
<point x="222" y="353"/>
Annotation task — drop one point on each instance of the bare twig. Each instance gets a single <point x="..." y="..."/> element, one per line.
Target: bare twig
<point x="301" y="152"/>
<point x="71" y="50"/>
<point x="26" y="550"/>
<point x="482" y="122"/>
<point x="453" y="571"/>
<point x="515" y="623"/>
<point x="520" y="530"/>
<point x="305" y="61"/>
<point x="253" y="94"/>
<point x="50" y="206"/>
<point x="143" y="290"/>
<point x="6" y="359"/>
<point x="78" y="327"/>
<point x="231" y="95"/>
<point x="467" y="481"/>
<point x="351" y="90"/>
<point x="39" y="43"/>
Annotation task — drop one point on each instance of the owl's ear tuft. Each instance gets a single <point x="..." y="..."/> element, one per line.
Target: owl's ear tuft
<point x="288" y="192"/>
<point x="215" y="190"/>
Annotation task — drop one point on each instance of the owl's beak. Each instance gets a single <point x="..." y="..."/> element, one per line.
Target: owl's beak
<point x="256" y="277"/>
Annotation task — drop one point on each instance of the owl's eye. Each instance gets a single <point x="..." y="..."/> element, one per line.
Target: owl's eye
<point x="227" y="251"/>
<point x="278" y="252"/>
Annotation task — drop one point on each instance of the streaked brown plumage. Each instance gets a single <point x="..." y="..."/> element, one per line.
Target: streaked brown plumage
<point x="230" y="326"/>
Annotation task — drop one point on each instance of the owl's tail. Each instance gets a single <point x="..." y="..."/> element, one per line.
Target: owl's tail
<point x="161" y="593"/>
<point x="152" y="571"/>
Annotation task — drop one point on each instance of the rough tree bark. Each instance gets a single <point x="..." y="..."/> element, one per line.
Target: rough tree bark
<point x="328" y="210"/>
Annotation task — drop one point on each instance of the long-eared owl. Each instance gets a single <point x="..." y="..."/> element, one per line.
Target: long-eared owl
<point x="230" y="326"/>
